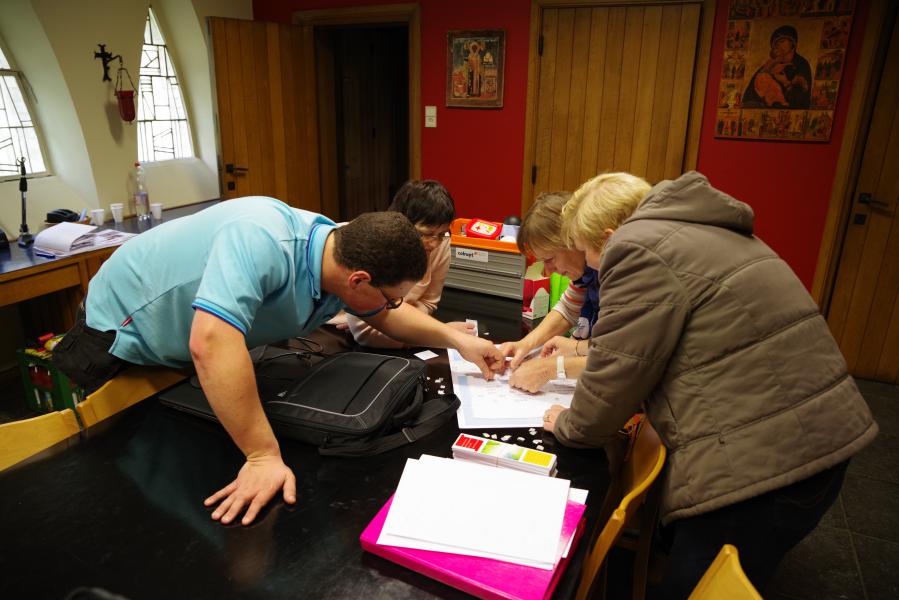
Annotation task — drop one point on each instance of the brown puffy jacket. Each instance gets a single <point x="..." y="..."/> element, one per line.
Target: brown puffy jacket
<point x="708" y="329"/>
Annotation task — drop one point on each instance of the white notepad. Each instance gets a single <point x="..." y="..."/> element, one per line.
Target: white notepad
<point x="478" y="510"/>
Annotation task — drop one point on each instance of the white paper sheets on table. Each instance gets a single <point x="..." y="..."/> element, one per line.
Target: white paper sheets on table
<point x="452" y="506"/>
<point x="494" y="404"/>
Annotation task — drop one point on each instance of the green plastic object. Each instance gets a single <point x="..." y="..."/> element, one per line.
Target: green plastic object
<point x="46" y="388"/>
<point x="557" y="286"/>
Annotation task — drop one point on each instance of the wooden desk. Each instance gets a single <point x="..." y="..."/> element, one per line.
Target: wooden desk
<point x="49" y="290"/>
<point x="123" y="510"/>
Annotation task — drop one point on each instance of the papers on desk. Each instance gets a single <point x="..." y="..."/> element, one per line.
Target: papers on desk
<point x="65" y="239"/>
<point x="476" y="510"/>
<point x="494" y="404"/>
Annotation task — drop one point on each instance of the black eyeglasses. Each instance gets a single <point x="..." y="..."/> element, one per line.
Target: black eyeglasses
<point x="390" y="303"/>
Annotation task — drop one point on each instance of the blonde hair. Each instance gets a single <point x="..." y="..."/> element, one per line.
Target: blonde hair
<point x="541" y="227"/>
<point x="601" y="203"/>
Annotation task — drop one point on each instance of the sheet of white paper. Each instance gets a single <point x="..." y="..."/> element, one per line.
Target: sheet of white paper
<point x="426" y="355"/>
<point x="494" y="404"/>
<point x="574" y="494"/>
<point x="475" y="323"/>
<point x="477" y="507"/>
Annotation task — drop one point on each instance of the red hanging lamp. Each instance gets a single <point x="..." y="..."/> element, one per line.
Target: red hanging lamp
<point x="125" y="97"/>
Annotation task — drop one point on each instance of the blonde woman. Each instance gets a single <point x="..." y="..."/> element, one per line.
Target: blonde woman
<point x="710" y="332"/>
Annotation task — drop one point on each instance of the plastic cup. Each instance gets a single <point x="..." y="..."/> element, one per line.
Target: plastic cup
<point x="156" y="210"/>
<point x="118" y="211"/>
<point x="98" y="216"/>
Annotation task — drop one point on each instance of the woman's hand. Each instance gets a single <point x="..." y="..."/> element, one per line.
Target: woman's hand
<point x="533" y="374"/>
<point x="560" y="345"/>
<point x="550" y="417"/>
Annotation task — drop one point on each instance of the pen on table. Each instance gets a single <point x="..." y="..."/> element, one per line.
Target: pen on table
<point x="43" y="254"/>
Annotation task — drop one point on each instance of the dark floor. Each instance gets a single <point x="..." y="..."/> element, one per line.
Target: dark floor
<point x="854" y="552"/>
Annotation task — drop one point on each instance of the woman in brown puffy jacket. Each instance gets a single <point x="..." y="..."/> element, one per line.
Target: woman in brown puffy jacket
<point x="710" y="332"/>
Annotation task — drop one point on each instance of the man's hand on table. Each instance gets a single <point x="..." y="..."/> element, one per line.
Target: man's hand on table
<point x="260" y="478"/>
<point x="481" y="352"/>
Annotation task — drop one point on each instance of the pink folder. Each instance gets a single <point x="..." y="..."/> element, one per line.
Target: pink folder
<point x="481" y="577"/>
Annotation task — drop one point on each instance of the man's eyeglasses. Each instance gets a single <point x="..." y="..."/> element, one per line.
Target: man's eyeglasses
<point x="390" y="303"/>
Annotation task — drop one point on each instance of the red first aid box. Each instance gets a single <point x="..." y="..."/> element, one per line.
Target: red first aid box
<point x="479" y="228"/>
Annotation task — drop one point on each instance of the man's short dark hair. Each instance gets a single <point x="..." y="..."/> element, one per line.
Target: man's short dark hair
<point x="383" y="244"/>
<point x="424" y="202"/>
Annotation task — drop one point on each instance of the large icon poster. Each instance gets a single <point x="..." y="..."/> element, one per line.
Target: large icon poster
<point x="783" y="61"/>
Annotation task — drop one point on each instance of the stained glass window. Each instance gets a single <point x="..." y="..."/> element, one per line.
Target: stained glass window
<point x="18" y="136"/>
<point x="163" y="132"/>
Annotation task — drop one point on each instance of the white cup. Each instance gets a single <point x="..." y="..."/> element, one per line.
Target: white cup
<point x="98" y="216"/>
<point x="156" y="210"/>
<point x="118" y="211"/>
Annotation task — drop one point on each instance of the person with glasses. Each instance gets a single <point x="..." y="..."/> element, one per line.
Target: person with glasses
<point x="201" y="290"/>
<point x="430" y="208"/>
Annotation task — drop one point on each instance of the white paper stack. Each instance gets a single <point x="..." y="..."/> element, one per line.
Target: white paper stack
<point x="471" y="509"/>
<point x="65" y="239"/>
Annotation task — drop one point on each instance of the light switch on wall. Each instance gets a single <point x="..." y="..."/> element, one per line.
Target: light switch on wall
<point x="430" y="116"/>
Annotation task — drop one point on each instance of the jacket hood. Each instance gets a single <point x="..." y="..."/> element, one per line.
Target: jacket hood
<point x="692" y="199"/>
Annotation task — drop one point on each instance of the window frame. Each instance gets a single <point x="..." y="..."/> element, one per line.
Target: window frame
<point x="30" y="99"/>
<point x="152" y="20"/>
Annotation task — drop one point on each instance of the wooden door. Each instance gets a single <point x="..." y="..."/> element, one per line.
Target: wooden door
<point x="372" y="116"/>
<point x="613" y="93"/>
<point x="864" y="309"/>
<point x="268" y="142"/>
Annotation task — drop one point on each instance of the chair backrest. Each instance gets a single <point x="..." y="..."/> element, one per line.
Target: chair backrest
<point x="638" y="473"/>
<point x="127" y="388"/>
<point x="725" y="579"/>
<point x="22" y="439"/>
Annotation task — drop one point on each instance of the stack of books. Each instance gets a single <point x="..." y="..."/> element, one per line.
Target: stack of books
<point x="501" y="454"/>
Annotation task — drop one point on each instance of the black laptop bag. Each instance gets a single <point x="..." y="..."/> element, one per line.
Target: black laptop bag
<point x="350" y="404"/>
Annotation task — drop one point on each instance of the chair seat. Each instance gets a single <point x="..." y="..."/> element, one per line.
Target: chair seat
<point x="22" y="439"/>
<point x="126" y="389"/>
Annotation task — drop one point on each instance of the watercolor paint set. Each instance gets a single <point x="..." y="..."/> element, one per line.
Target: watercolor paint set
<point x="501" y="454"/>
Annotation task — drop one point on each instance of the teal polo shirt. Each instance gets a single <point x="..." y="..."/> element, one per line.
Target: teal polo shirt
<point x="253" y="262"/>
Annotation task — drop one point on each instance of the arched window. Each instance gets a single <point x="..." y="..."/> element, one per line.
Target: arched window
<point x="18" y="134"/>
<point x="163" y="131"/>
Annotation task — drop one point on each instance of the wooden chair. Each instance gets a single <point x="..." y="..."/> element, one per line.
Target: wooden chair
<point x="725" y="579"/>
<point x="22" y="439"/>
<point x="126" y="389"/>
<point x="638" y="472"/>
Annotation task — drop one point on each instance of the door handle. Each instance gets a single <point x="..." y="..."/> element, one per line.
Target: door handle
<point x="866" y="198"/>
<point x="230" y="168"/>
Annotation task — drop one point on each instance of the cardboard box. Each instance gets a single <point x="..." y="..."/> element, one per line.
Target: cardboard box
<point x="535" y="293"/>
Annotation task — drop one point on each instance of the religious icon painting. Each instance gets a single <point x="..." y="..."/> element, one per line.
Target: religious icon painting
<point x="474" y="68"/>
<point x="783" y="61"/>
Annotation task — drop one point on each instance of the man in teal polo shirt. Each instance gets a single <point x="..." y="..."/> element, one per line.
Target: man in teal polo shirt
<point x="203" y="289"/>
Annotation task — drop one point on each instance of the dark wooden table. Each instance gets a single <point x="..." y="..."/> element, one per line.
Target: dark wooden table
<point x="122" y="510"/>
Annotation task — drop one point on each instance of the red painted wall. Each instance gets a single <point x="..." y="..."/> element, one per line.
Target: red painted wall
<point x="476" y="153"/>
<point x="788" y="184"/>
